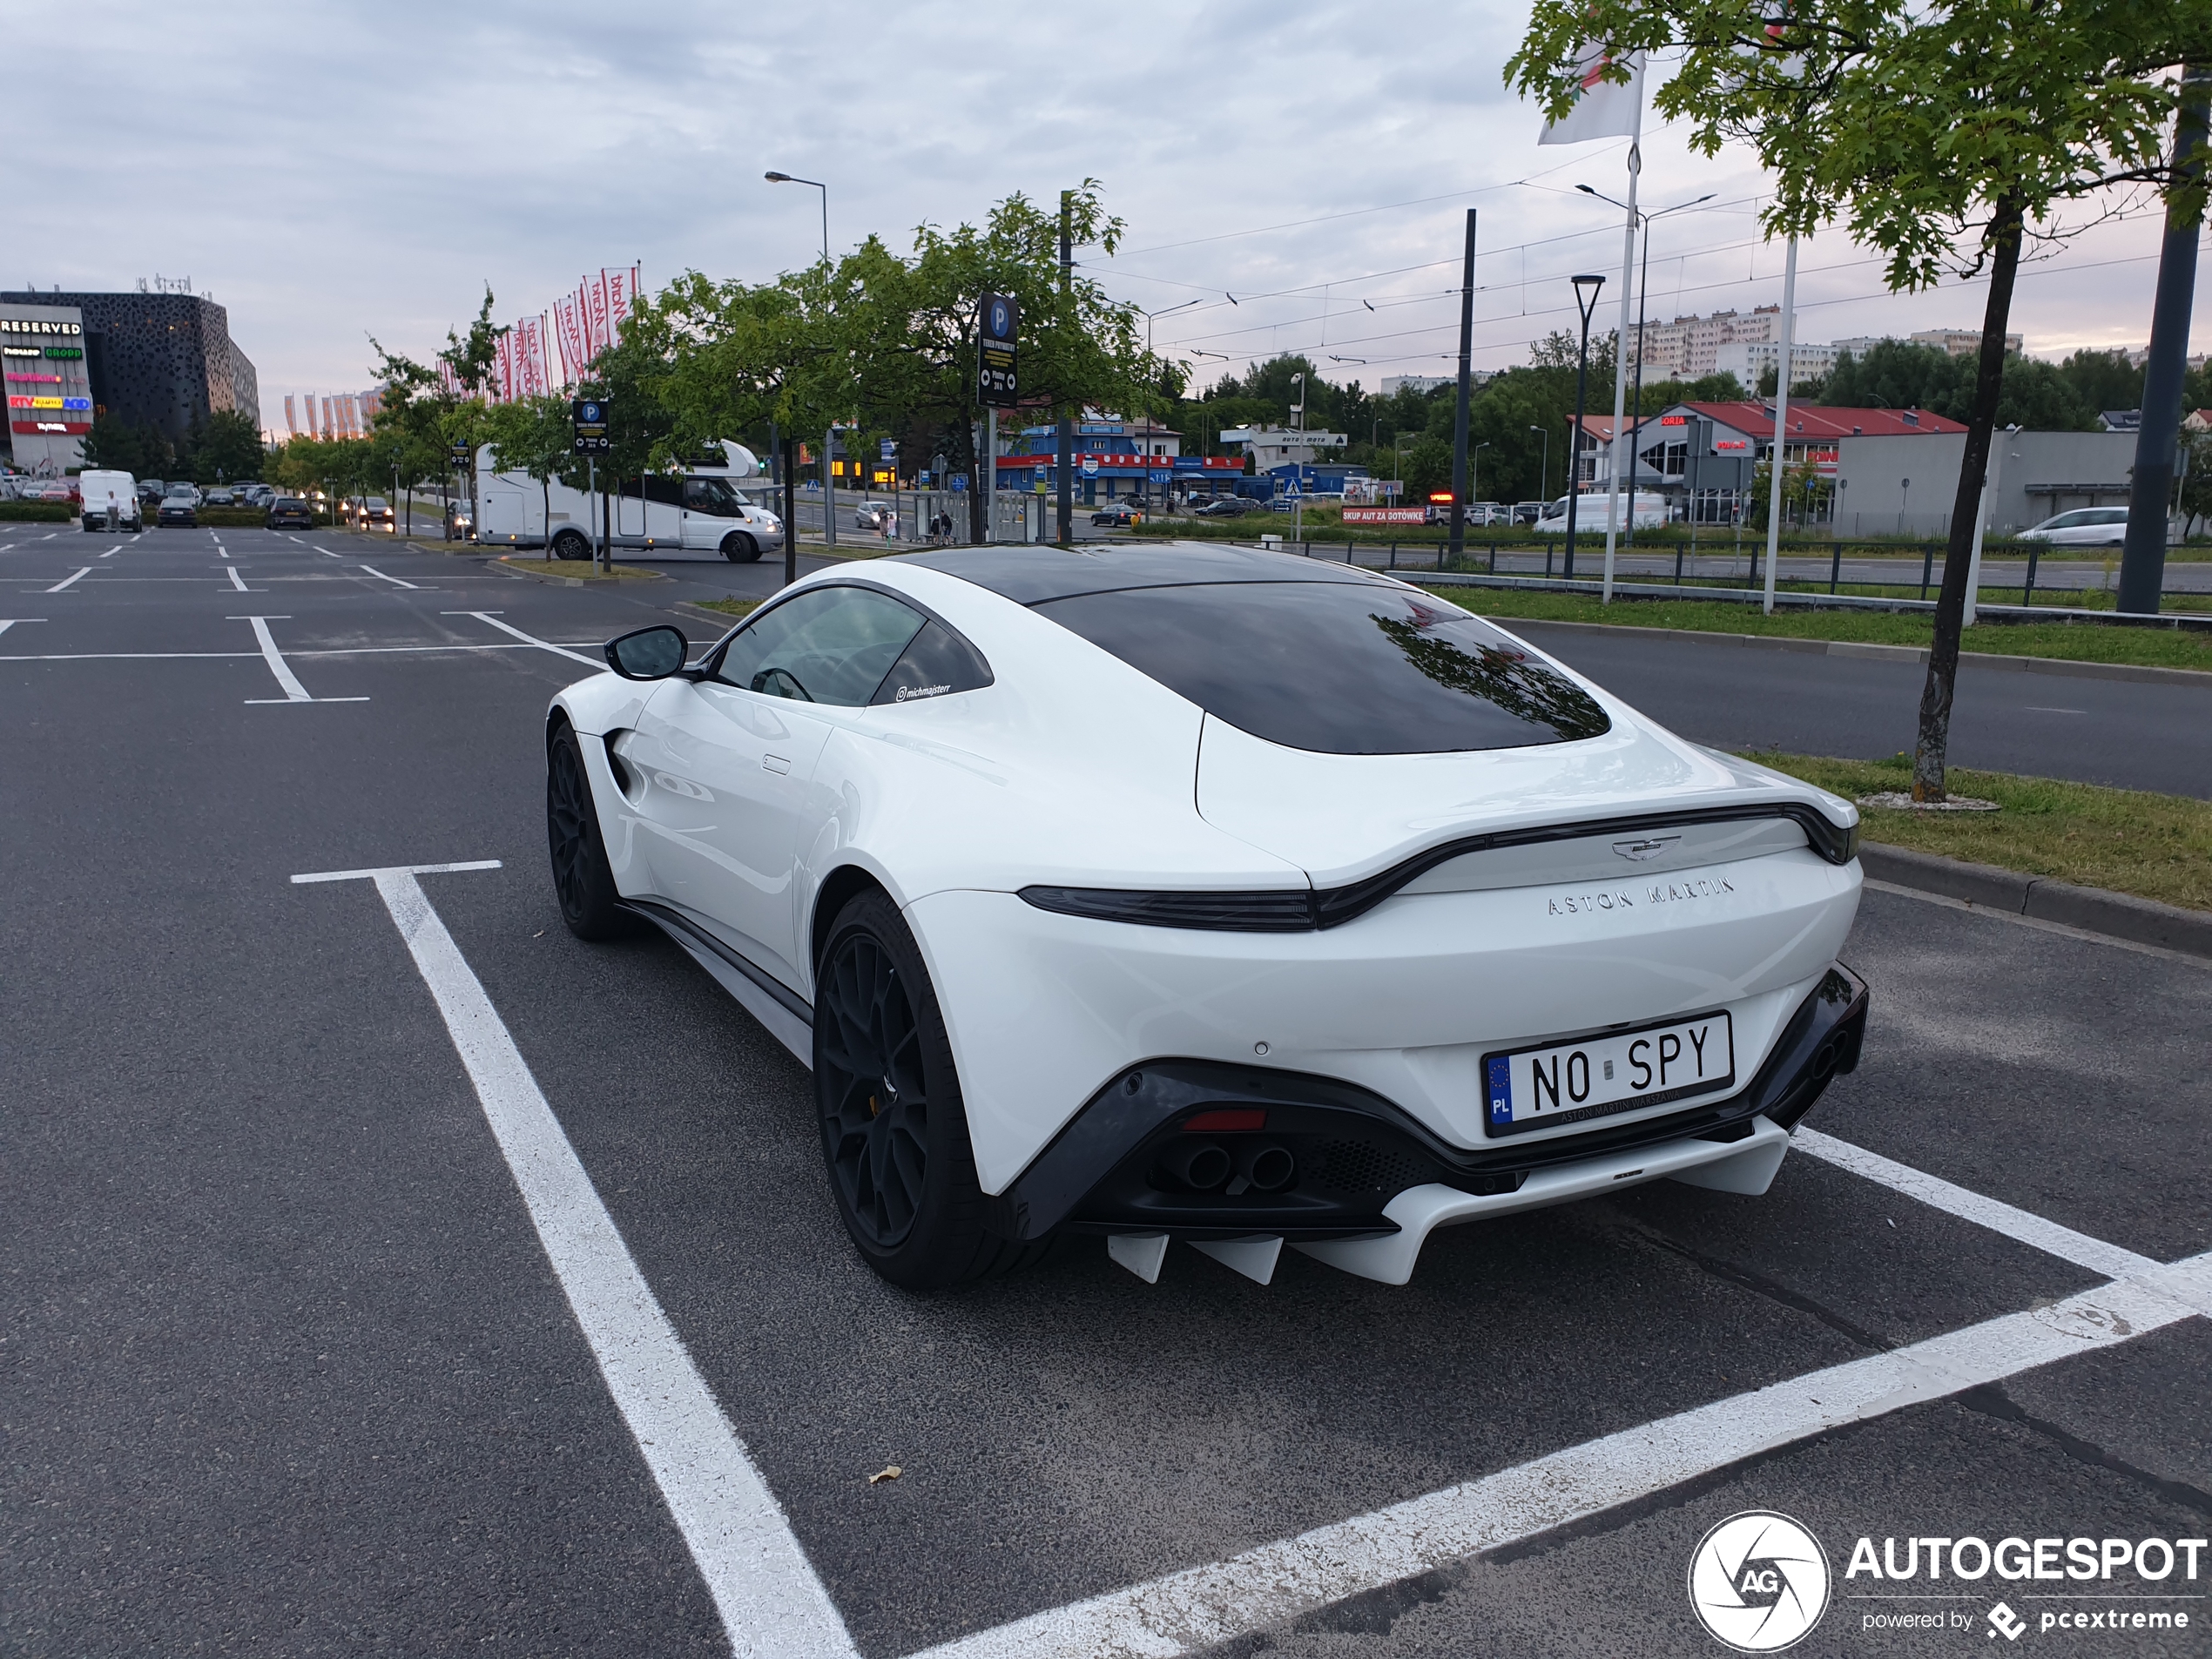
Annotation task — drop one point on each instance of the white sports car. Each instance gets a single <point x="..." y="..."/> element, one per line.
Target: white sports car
<point x="1191" y="892"/>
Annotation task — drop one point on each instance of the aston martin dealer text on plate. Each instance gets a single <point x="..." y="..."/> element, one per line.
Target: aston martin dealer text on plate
<point x="1618" y="1071"/>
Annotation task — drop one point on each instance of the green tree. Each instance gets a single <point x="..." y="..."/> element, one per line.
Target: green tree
<point x="118" y="445"/>
<point x="226" y="448"/>
<point x="2104" y="380"/>
<point x="1939" y="131"/>
<point x="2196" y="479"/>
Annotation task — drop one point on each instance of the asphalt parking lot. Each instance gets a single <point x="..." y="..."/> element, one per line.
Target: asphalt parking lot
<point x="317" y="1340"/>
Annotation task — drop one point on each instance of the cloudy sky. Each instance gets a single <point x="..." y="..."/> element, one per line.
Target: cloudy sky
<point x="332" y="173"/>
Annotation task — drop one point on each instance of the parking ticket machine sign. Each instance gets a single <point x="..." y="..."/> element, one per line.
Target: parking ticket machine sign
<point x="998" y="320"/>
<point x="589" y="416"/>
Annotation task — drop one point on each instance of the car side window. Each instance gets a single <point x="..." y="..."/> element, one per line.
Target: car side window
<point x="709" y="495"/>
<point x="2112" y="516"/>
<point x="937" y="663"/>
<point x="832" y="645"/>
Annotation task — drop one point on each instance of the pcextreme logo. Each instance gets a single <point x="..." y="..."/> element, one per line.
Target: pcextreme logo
<point x="1758" y="1582"/>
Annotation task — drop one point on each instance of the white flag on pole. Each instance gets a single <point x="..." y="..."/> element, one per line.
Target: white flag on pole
<point x="1603" y="108"/>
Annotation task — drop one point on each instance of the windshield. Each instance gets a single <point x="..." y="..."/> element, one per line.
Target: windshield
<point x="712" y="496"/>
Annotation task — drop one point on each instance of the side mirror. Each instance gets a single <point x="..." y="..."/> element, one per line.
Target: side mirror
<point x="648" y="654"/>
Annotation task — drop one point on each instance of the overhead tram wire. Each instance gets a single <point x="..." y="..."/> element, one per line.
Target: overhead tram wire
<point x="2045" y="269"/>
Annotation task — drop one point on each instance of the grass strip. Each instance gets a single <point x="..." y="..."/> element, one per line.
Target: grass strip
<point x="582" y="570"/>
<point x="2078" y="641"/>
<point x="2124" y="840"/>
<point x="727" y="607"/>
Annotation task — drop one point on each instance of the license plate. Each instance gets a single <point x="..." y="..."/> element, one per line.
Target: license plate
<point x="1566" y="1082"/>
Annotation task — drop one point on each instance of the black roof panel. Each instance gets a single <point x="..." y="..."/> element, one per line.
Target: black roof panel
<point x="1031" y="574"/>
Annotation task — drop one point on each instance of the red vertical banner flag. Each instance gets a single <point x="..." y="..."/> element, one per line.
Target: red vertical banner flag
<point x="329" y="429"/>
<point x="595" y="298"/>
<point x="502" y="368"/>
<point x="565" y="337"/>
<point x="617" y="283"/>
<point x="291" y="426"/>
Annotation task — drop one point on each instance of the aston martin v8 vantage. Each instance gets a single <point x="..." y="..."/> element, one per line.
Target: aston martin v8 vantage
<point x="1187" y="892"/>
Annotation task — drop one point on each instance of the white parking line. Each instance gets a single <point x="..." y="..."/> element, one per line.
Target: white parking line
<point x="225" y="656"/>
<point x="771" y="1600"/>
<point x="1998" y="1217"/>
<point x="285" y="679"/>
<point x="231" y="570"/>
<point x="112" y="551"/>
<point x="1205" y="1605"/>
<point x="7" y="623"/>
<point x="528" y="639"/>
<point x="65" y="585"/>
<point x="394" y="580"/>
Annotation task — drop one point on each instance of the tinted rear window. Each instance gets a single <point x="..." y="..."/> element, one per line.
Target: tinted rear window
<point x="1338" y="668"/>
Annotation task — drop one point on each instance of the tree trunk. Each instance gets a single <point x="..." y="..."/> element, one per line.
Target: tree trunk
<point x="969" y="462"/>
<point x="1950" y="603"/>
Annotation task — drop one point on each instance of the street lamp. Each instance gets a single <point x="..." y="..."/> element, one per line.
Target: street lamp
<point x="1586" y="289"/>
<point x="829" y="439"/>
<point x="1144" y="494"/>
<point x="1643" y="289"/>
<point x="1298" y="466"/>
<point x="786" y="178"/>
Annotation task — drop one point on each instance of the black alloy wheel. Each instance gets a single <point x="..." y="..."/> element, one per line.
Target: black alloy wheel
<point x="582" y="877"/>
<point x="740" y="548"/>
<point x="572" y="544"/>
<point x="894" y="1133"/>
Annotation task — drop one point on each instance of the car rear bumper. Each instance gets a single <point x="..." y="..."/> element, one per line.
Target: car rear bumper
<point x="1369" y="1182"/>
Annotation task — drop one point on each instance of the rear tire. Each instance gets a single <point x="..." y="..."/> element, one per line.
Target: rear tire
<point x="572" y="544"/>
<point x="740" y="548"/>
<point x="887" y="1094"/>
<point x="582" y="880"/>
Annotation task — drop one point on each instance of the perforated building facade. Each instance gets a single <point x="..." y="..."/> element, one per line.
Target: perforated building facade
<point x="159" y="360"/>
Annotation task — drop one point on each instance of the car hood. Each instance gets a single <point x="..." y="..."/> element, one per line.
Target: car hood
<point x="1342" y="818"/>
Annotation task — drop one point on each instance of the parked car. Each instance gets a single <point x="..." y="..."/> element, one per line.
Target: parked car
<point x="110" y="500"/>
<point x="1296" y="906"/>
<point x="151" y="491"/>
<point x="220" y="495"/>
<point x="1227" y="506"/>
<point x="1121" y="516"/>
<point x="179" y="506"/>
<point x="2084" y="527"/>
<point x="290" y="513"/>
<point x="54" y="489"/>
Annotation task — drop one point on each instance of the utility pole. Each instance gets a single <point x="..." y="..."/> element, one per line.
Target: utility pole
<point x="2142" y="559"/>
<point x="1065" y="443"/>
<point x="1775" y="461"/>
<point x="791" y="511"/>
<point x="1460" y="413"/>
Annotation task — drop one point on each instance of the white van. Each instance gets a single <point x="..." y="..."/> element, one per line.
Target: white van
<point x="1648" y="512"/>
<point x="701" y="510"/>
<point x="110" y="500"/>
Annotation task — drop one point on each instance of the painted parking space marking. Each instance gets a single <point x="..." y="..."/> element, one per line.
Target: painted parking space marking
<point x="394" y="580"/>
<point x="236" y="581"/>
<point x="492" y="617"/>
<point x="1991" y="1213"/>
<point x="7" y="623"/>
<point x="1205" y="1605"/>
<point x="67" y="583"/>
<point x="771" y="1600"/>
<point x="112" y="551"/>
<point x="227" y="656"/>
<point x="285" y="679"/>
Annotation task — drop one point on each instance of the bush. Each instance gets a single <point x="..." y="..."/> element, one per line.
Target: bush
<point x="35" y="512"/>
<point x="234" y="517"/>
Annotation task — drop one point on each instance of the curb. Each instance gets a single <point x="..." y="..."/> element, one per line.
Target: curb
<point x="2120" y="915"/>
<point x="2064" y="667"/>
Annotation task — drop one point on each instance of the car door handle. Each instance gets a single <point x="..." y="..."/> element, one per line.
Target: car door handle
<point x="775" y="763"/>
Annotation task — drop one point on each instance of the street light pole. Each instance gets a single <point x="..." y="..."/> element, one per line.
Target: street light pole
<point x="1644" y="290"/>
<point x="829" y="440"/>
<point x="1544" y="472"/>
<point x="1586" y="293"/>
<point x="1298" y="466"/>
<point x="1149" y="317"/>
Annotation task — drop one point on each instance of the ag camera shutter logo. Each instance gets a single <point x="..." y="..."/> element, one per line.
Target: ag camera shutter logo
<point x="1758" y="1582"/>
